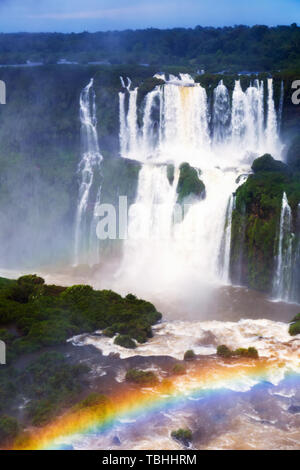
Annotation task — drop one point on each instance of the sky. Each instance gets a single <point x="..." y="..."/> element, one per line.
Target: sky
<point x="102" y="15"/>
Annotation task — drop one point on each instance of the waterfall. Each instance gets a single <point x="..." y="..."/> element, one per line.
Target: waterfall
<point x="175" y="125"/>
<point x="128" y="122"/>
<point x="226" y="243"/>
<point x="238" y="120"/>
<point x="221" y="114"/>
<point x="148" y="131"/>
<point x="123" y="126"/>
<point x="248" y="116"/>
<point x="88" y="166"/>
<point x="280" y="109"/>
<point x="283" y="274"/>
<point x="176" y="120"/>
<point x="132" y="122"/>
<point x="271" y="128"/>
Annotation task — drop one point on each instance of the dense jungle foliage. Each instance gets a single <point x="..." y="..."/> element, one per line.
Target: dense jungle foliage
<point x="256" y="48"/>
<point x="43" y="315"/>
<point x="35" y="319"/>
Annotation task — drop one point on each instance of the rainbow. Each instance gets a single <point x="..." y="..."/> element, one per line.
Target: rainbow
<point x="204" y="379"/>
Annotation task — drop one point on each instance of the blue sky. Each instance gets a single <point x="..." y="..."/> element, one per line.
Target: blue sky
<point x="102" y="15"/>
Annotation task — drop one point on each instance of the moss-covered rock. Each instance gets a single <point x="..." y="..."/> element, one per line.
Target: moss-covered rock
<point x="189" y="183"/>
<point x="268" y="163"/>
<point x="183" y="435"/>
<point x="224" y="351"/>
<point x="255" y="222"/>
<point x="141" y="377"/>
<point x="294" y="328"/>
<point x="125" y="341"/>
<point x="246" y="352"/>
<point x="189" y="355"/>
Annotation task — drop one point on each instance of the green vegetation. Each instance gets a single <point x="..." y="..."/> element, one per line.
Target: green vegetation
<point x="93" y="400"/>
<point x="189" y="355"/>
<point x="268" y="163"/>
<point x="178" y="369"/>
<point x="45" y="315"/>
<point x="294" y="328"/>
<point x="189" y="183"/>
<point x="184" y="436"/>
<point x="9" y="428"/>
<point x="249" y="352"/>
<point x="49" y="384"/>
<point x="255" y="221"/>
<point x="141" y="377"/>
<point x="224" y="351"/>
<point x="35" y="316"/>
<point x="229" y="48"/>
<point x="125" y="341"/>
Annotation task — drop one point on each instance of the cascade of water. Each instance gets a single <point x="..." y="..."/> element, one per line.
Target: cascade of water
<point x="226" y="243"/>
<point x="280" y="105"/>
<point x="271" y="127"/>
<point x="254" y="115"/>
<point x="248" y="116"/>
<point x="123" y="134"/>
<point x="238" y="118"/>
<point x="184" y="120"/>
<point x="148" y="131"/>
<point x="283" y="273"/>
<point x="175" y="129"/>
<point x="129" y="132"/>
<point x="221" y="114"/>
<point x="132" y="121"/>
<point x="89" y="164"/>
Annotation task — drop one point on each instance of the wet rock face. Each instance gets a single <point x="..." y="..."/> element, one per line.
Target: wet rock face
<point x="255" y="221"/>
